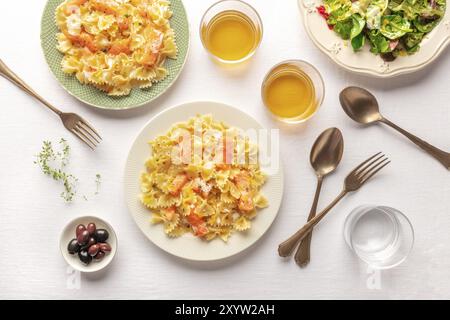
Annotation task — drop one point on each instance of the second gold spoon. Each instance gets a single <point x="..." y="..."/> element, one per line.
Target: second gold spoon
<point x="360" y="105"/>
<point x="325" y="156"/>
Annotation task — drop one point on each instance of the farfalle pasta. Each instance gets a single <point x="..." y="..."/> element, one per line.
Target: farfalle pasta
<point x="210" y="195"/>
<point x="116" y="45"/>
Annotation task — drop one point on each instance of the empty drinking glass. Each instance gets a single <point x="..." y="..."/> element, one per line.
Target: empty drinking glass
<point x="380" y="236"/>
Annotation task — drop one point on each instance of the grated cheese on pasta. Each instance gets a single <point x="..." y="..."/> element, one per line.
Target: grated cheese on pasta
<point x="207" y="199"/>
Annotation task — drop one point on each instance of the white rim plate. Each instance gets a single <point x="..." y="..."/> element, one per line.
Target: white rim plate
<point x="365" y="62"/>
<point x="187" y="246"/>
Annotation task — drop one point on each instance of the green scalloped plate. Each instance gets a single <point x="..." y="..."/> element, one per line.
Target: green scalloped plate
<point x="96" y="98"/>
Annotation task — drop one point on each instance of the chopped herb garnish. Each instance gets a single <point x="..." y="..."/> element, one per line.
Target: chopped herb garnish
<point x="47" y="157"/>
<point x="53" y="163"/>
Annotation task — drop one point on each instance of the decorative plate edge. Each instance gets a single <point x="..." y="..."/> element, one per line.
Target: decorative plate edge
<point x="308" y="7"/>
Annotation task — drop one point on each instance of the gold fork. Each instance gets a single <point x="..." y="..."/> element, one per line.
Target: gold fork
<point x="73" y="122"/>
<point x="354" y="180"/>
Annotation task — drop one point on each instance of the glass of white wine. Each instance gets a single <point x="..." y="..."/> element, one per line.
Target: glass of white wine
<point x="231" y="31"/>
<point x="293" y="91"/>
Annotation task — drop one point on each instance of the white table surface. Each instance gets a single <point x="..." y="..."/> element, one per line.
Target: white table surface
<point x="32" y="215"/>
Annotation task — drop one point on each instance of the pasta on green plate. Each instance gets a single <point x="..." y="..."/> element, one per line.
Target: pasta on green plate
<point x="115" y="54"/>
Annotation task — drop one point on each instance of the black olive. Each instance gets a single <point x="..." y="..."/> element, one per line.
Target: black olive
<point x="83" y="238"/>
<point x="101" y="235"/>
<point x="84" y="257"/>
<point x="73" y="246"/>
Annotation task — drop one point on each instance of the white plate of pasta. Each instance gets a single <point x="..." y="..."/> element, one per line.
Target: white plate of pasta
<point x="200" y="183"/>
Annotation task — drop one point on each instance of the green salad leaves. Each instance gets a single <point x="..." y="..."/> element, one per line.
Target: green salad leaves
<point x="394" y="26"/>
<point x="391" y="27"/>
<point x="356" y="35"/>
<point x="351" y="29"/>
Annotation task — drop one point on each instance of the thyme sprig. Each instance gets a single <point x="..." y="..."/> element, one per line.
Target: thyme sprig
<point x="48" y="157"/>
<point x="53" y="164"/>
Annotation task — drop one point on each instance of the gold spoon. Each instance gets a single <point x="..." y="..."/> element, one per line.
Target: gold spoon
<point x="360" y="105"/>
<point x="325" y="156"/>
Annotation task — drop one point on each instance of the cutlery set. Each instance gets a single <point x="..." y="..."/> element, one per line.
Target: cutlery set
<point x="361" y="106"/>
<point x="354" y="180"/>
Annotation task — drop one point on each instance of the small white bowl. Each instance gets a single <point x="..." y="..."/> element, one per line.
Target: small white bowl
<point x="69" y="234"/>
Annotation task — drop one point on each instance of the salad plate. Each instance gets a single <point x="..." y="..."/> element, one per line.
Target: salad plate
<point x="97" y="98"/>
<point x="363" y="61"/>
<point x="187" y="246"/>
